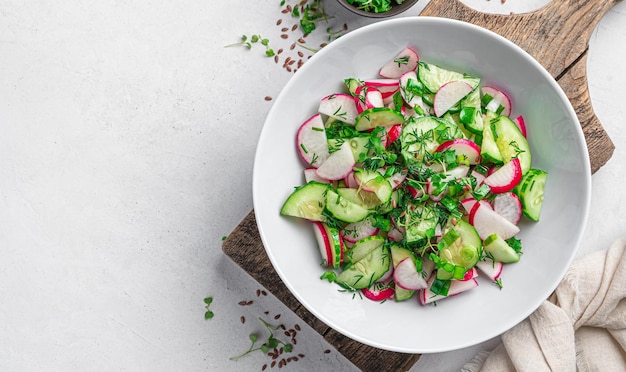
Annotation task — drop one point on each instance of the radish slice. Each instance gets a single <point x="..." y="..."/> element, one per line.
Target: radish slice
<point x="470" y="274"/>
<point x="367" y="98"/>
<point x="415" y="193"/>
<point x="490" y="268"/>
<point x="412" y="99"/>
<point x="430" y="190"/>
<point x="456" y="286"/>
<point x="462" y="146"/>
<point x="509" y="206"/>
<point x="395" y="179"/>
<point x="340" y="107"/>
<point x="486" y="222"/>
<point x="386" y="87"/>
<point x="468" y="204"/>
<point x="310" y="174"/>
<point x="395" y="235"/>
<point x="521" y="124"/>
<point x="500" y="103"/>
<point x="311" y="141"/>
<point x="338" y="165"/>
<point x="351" y="181"/>
<point x="353" y="232"/>
<point x="323" y="242"/>
<point x="378" y="292"/>
<point x="407" y="277"/>
<point x="405" y="61"/>
<point x="505" y="178"/>
<point x="449" y="95"/>
<point x="393" y="133"/>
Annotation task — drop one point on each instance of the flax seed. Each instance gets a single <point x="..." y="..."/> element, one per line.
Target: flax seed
<point x="292" y="46"/>
<point x="264" y="367"/>
<point x="273" y="364"/>
<point x="288" y="68"/>
<point x="268" y="98"/>
<point x="258" y="292"/>
<point x="294" y="27"/>
<point x="262" y="291"/>
<point x="301" y="41"/>
<point x="266" y="312"/>
<point x="287" y="334"/>
<point x="297" y="327"/>
<point x="345" y="27"/>
<point x="279" y="22"/>
<point x="284" y="11"/>
<point x="249" y="303"/>
<point x="284" y="29"/>
<point x="276" y="59"/>
<point x="301" y="355"/>
<point x="300" y="54"/>
<point x="243" y="319"/>
<point x="278" y="315"/>
<point x="284" y="36"/>
<point x="323" y="45"/>
<point x="327" y="351"/>
<point x="242" y="303"/>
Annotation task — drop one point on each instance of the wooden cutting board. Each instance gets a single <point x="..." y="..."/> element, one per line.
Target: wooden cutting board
<point x="558" y="37"/>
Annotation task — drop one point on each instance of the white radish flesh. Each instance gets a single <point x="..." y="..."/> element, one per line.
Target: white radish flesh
<point x="311" y="141"/>
<point x="340" y="107"/>
<point x="486" y="222"/>
<point x="463" y="147"/>
<point x="499" y="99"/>
<point x="509" y="206"/>
<point x="338" y="165"/>
<point x="407" y="277"/>
<point x="405" y="61"/>
<point x="505" y="178"/>
<point x="449" y="95"/>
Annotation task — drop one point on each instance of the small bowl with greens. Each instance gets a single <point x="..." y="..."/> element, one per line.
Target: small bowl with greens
<point x="377" y="8"/>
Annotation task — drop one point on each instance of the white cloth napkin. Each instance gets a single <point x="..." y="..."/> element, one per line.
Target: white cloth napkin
<point x="581" y="327"/>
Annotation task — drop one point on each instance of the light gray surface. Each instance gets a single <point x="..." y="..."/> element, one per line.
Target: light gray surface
<point x="127" y="138"/>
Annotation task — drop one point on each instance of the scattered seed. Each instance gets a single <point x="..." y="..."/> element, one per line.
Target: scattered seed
<point x="305" y="35"/>
<point x="277" y="52"/>
<point x="345" y="27"/>
<point x="249" y="303"/>
<point x="287" y="334"/>
<point x="300" y="54"/>
<point x="279" y="22"/>
<point x="277" y="315"/>
<point x="262" y="291"/>
<point x="276" y="59"/>
<point x="294" y="27"/>
<point x="301" y="355"/>
<point x="280" y="351"/>
<point x="284" y="11"/>
<point x="323" y="45"/>
<point x="301" y="41"/>
<point x="273" y="364"/>
<point x="297" y="327"/>
<point x="242" y="303"/>
<point x="258" y="292"/>
<point x="327" y="351"/>
<point x="284" y="36"/>
<point x="292" y="46"/>
<point x="284" y="29"/>
<point x="268" y="98"/>
<point x="293" y="341"/>
<point x="288" y="68"/>
<point x="243" y="319"/>
<point x="266" y="312"/>
<point x="300" y="63"/>
<point x="264" y="367"/>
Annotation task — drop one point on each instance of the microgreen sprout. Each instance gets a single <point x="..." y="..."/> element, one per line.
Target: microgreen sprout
<point x="270" y="343"/>
<point x="208" y="314"/>
<point x="248" y="41"/>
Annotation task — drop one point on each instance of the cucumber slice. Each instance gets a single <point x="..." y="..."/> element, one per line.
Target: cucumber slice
<point x="511" y="142"/>
<point x="365" y="199"/>
<point x="530" y="191"/>
<point x="402" y="294"/>
<point x="343" y="209"/>
<point x="307" y="201"/>
<point x="378" y="117"/>
<point x="352" y="84"/>
<point x="418" y="221"/>
<point x="425" y="134"/>
<point x="364" y="247"/>
<point x="461" y="253"/>
<point x="399" y="253"/>
<point x="500" y="250"/>
<point x="488" y="147"/>
<point x="433" y="77"/>
<point x="375" y="182"/>
<point x="364" y="272"/>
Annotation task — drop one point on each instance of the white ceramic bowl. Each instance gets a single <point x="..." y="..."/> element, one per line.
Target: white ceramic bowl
<point x="549" y="246"/>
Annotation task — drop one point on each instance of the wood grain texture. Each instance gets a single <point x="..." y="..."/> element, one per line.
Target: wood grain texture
<point x="557" y="36"/>
<point x="245" y="248"/>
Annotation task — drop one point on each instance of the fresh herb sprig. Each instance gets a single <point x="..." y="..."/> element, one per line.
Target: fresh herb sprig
<point x="248" y="41"/>
<point x="372" y="6"/>
<point x="270" y="343"/>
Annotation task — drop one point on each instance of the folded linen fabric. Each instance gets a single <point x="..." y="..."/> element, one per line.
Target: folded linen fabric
<point x="581" y="327"/>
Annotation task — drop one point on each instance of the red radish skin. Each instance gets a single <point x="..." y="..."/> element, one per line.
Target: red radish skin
<point x="509" y="206"/>
<point x="486" y="222"/>
<point x="386" y="87"/>
<point x="393" y="133"/>
<point x="407" y="277"/>
<point x="388" y="276"/>
<point x="470" y="274"/>
<point x="468" y="204"/>
<point x="351" y="181"/>
<point x="499" y="99"/>
<point x="395" y="235"/>
<point x="323" y="242"/>
<point x="505" y="178"/>
<point x="449" y="95"/>
<point x="405" y="61"/>
<point x="463" y="146"/>
<point x="521" y="124"/>
<point x="339" y="106"/>
<point x="338" y="165"/>
<point x="375" y="294"/>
